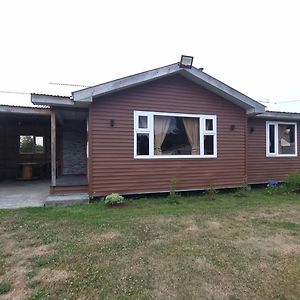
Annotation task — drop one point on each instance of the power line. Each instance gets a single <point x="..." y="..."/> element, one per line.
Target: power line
<point x="69" y="84"/>
<point x="14" y="92"/>
<point x="286" y="101"/>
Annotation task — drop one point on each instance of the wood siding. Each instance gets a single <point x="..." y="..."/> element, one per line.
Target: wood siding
<point x="260" y="167"/>
<point x="112" y="167"/>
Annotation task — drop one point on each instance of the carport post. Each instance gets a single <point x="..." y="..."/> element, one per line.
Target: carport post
<point x="53" y="148"/>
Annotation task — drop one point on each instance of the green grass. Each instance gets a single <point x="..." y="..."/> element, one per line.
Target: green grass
<point x="4" y="287"/>
<point x="232" y="247"/>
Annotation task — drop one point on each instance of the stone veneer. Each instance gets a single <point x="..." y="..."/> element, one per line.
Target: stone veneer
<point x="74" y="148"/>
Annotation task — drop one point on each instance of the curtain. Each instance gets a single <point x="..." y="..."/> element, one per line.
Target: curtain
<point x="161" y="127"/>
<point x="191" y="126"/>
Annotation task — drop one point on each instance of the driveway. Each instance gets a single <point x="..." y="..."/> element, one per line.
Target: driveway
<point x="17" y="194"/>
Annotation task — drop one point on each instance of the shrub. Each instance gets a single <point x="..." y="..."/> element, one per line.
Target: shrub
<point x="173" y="197"/>
<point x="211" y="193"/>
<point x="243" y="191"/>
<point x="292" y="182"/>
<point x="114" y="198"/>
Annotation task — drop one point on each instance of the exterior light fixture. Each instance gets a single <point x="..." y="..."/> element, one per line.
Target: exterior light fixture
<point x="186" y="61"/>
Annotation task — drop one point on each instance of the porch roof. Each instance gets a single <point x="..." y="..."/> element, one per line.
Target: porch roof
<point x="10" y="109"/>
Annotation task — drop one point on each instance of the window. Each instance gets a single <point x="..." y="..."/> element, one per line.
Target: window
<point x="281" y="139"/>
<point x="169" y="135"/>
<point x="30" y="144"/>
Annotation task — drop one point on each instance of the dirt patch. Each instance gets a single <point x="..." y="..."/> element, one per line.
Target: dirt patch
<point x="49" y="275"/>
<point x="8" y="245"/>
<point x="18" y="265"/>
<point x="105" y="237"/>
<point x="29" y="252"/>
<point x="279" y="244"/>
<point x="213" y="224"/>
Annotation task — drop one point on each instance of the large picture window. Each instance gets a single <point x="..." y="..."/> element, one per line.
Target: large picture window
<point x="281" y="139"/>
<point x="174" y="135"/>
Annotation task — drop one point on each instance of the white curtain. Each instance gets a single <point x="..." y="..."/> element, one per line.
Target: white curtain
<point x="161" y="127"/>
<point x="191" y="126"/>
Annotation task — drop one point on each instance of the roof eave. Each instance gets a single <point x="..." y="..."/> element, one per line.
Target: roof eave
<point x="198" y="76"/>
<point x="24" y="110"/>
<point x="50" y="100"/>
<point x="86" y="95"/>
<point x="284" y="116"/>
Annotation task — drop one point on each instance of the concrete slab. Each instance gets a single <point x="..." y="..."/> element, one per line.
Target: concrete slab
<point x="63" y="200"/>
<point x="17" y="194"/>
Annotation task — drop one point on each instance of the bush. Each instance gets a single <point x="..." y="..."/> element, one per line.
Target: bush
<point x="211" y="193"/>
<point x="244" y="190"/>
<point x="173" y="197"/>
<point x="292" y="182"/>
<point x="114" y="198"/>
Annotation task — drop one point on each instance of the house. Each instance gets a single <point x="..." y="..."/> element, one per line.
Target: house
<point x="136" y="134"/>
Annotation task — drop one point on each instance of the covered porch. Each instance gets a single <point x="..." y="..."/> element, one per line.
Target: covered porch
<point x="42" y="151"/>
<point x="68" y="151"/>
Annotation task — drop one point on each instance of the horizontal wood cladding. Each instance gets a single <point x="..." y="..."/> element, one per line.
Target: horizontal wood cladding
<point x="260" y="167"/>
<point x="112" y="167"/>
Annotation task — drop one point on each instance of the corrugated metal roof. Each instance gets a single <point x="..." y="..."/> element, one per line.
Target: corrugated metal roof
<point x="22" y="106"/>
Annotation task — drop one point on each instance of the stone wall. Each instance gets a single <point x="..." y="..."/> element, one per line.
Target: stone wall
<point x="74" y="148"/>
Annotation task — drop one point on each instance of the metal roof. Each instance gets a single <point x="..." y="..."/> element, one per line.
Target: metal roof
<point x="279" y="115"/>
<point x="44" y="99"/>
<point x="198" y="76"/>
<point x="24" y="110"/>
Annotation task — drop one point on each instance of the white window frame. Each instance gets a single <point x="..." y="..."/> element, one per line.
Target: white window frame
<point x="150" y="131"/>
<point x="276" y="153"/>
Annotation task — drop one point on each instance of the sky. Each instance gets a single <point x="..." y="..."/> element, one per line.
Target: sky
<point x="253" y="46"/>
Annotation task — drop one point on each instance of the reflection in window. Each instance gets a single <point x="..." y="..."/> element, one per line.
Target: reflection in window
<point x="281" y="139"/>
<point x="208" y="144"/>
<point x="272" y="138"/>
<point x="286" y="139"/>
<point x="142" y="144"/>
<point x="30" y="144"/>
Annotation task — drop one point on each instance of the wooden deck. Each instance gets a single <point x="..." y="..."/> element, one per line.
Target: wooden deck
<point x="70" y="184"/>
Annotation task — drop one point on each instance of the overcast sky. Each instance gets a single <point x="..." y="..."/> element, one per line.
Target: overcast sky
<point x="253" y="46"/>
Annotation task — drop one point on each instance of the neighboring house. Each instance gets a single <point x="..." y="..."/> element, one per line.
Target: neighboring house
<point x="136" y="134"/>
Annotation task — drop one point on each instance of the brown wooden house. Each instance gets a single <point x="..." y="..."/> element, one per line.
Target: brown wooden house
<point x="137" y="134"/>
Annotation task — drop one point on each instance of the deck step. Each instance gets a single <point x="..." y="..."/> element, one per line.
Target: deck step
<point x="64" y="200"/>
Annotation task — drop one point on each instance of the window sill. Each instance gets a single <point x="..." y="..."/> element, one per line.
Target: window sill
<point x="281" y="155"/>
<point x="175" y="156"/>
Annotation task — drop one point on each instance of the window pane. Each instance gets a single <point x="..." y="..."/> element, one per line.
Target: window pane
<point x="143" y="122"/>
<point x="209" y="124"/>
<point x="286" y="139"/>
<point x="142" y="144"/>
<point x="39" y="144"/>
<point x="26" y="144"/>
<point x="208" y="144"/>
<point x="271" y="138"/>
<point x="176" y="136"/>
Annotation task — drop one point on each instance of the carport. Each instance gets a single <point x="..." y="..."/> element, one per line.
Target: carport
<point x="42" y="151"/>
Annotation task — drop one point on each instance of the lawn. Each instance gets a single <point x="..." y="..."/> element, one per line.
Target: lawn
<point x="232" y="247"/>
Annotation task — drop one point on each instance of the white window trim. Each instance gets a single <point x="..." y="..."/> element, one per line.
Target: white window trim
<point x="276" y="154"/>
<point x="150" y="131"/>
